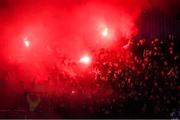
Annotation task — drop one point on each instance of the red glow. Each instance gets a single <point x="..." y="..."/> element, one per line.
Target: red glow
<point x="52" y="31"/>
<point x="87" y="27"/>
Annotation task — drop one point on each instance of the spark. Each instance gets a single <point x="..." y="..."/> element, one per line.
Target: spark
<point x="85" y="60"/>
<point x="105" y="32"/>
<point x="26" y="42"/>
<point x="73" y="91"/>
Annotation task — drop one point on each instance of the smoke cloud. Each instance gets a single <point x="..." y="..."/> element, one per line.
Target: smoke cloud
<point x="70" y="26"/>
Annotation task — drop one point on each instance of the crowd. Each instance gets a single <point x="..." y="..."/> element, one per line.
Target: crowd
<point x="146" y="81"/>
<point x="139" y="80"/>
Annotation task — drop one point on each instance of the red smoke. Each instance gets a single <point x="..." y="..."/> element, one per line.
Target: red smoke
<point x="62" y="27"/>
<point x="66" y="26"/>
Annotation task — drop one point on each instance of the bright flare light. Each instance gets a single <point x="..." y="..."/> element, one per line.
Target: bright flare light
<point x="105" y="32"/>
<point x="85" y="60"/>
<point x="26" y="42"/>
